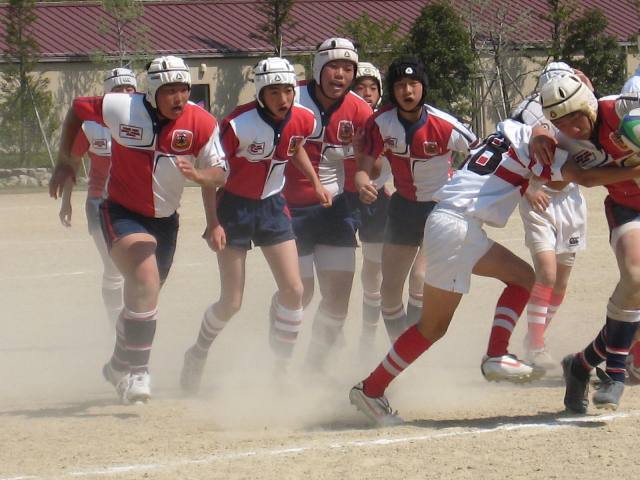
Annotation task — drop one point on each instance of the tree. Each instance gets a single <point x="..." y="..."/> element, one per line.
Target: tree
<point x="440" y="39"/>
<point x="560" y="14"/>
<point x="597" y="54"/>
<point x="378" y="42"/>
<point x="277" y="18"/>
<point x="23" y="96"/>
<point x="130" y="35"/>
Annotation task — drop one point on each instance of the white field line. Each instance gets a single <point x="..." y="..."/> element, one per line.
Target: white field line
<point x="564" y="422"/>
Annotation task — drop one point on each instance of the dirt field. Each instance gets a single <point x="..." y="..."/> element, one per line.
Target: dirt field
<point x="59" y="419"/>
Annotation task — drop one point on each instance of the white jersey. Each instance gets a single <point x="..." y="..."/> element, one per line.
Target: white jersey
<point x="495" y="176"/>
<point x="633" y="83"/>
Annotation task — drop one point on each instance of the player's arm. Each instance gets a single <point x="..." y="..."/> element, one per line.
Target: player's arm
<point x="301" y="161"/>
<point x="214" y="233"/>
<point x="210" y="166"/>
<point x="205" y="177"/>
<point x="542" y="145"/>
<point x="66" y="165"/>
<point x="594" y="177"/>
<point x="372" y="147"/>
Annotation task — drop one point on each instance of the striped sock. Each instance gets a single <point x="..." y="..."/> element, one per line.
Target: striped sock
<point x="139" y="330"/>
<point x="395" y="320"/>
<point x="326" y="330"/>
<point x="554" y="304"/>
<point x="414" y="308"/>
<point x="210" y="328"/>
<point x="409" y="346"/>
<point x="285" y="325"/>
<point x="509" y="308"/>
<point x="370" y="315"/>
<point x="537" y="314"/>
<point x="621" y="328"/>
<point x="120" y="358"/>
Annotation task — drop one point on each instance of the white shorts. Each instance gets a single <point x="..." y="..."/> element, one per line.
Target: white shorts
<point x="561" y="228"/>
<point x="453" y="243"/>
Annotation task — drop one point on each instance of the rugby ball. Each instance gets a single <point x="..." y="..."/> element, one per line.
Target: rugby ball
<point x="630" y="130"/>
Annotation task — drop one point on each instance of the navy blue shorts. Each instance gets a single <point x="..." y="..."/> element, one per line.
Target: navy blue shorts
<point x="264" y="222"/>
<point x="405" y="221"/>
<point x="118" y="222"/>
<point x="316" y="225"/>
<point x="371" y="219"/>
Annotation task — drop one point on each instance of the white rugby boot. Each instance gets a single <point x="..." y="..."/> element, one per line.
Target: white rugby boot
<point x="139" y="388"/>
<point x="119" y="380"/>
<point x="542" y="358"/>
<point x="510" y="369"/>
<point x="376" y="409"/>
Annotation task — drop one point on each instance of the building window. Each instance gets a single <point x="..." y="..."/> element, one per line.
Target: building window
<point x="200" y="96"/>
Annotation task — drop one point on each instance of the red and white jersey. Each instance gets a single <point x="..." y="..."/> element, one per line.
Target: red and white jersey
<point x="257" y="149"/>
<point x="496" y="174"/>
<point x="328" y="147"/>
<point x="606" y="147"/>
<point x="420" y="153"/>
<point x="144" y="177"/>
<point x="95" y="140"/>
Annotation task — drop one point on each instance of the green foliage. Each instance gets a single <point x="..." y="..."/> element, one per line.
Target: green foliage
<point x="277" y="18"/>
<point x="440" y="39"/>
<point x="378" y="42"/>
<point x="560" y="14"/>
<point x="597" y="54"/>
<point x="23" y="94"/>
<point x="123" y="26"/>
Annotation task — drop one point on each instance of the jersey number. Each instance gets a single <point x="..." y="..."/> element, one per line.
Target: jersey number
<point x="485" y="160"/>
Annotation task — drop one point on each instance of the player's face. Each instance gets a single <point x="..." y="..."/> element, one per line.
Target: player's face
<point x="408" y="93"/>
<point x="576" y="125"/>
<point x="278" y="99"/>
<point x="336" y="78"/>
<point x="171" y="99"/>
<point x="367" y="88"/>
<point x="123" y="89"/>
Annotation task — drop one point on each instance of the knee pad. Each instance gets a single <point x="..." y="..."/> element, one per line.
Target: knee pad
<point x="336" y="259"/>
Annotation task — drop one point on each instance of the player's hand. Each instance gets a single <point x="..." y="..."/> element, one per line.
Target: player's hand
<point x="61" y="174"/>
<point x="323" y="196"/>
<point x="368" y="194"/>
<point x="216" y="237"/>
<point x="65" y="213"/>
<point x="187" y="169"/>
<point x="542" y="148"/>
<point x="539" y="200"/>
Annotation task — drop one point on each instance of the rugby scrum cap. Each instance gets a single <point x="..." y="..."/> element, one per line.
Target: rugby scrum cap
<point x="406" y="67"/>
<point x="273" y="71"/>
<point x="333" y="49"/>
<point x="163" y="71"/>
<point x="118" y="77"/>
<point x="552" y="70"/>
<point x="567" y="94"/>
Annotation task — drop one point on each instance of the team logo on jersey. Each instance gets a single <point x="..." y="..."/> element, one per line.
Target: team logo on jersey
<point x="616" y="138"/>
<point x="585" y="158"/>
<point x="294" y="144"/>
<point x="256" y="148"/>
<point x="574" y="241"/>
<point x="99" y="143"/>
<point x="181" y="140"/>
<point x="390" y="142"/>
<point x="345" y="131"/>
<point x="431" y="148"/>
<point x="130" y="131"/>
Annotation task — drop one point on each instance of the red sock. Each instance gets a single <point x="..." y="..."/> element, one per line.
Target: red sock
<point x="537" y="311"/>
<point x="554" y="304"/>
<point x="509" y="308"/>
<point x="409" y="346"/>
